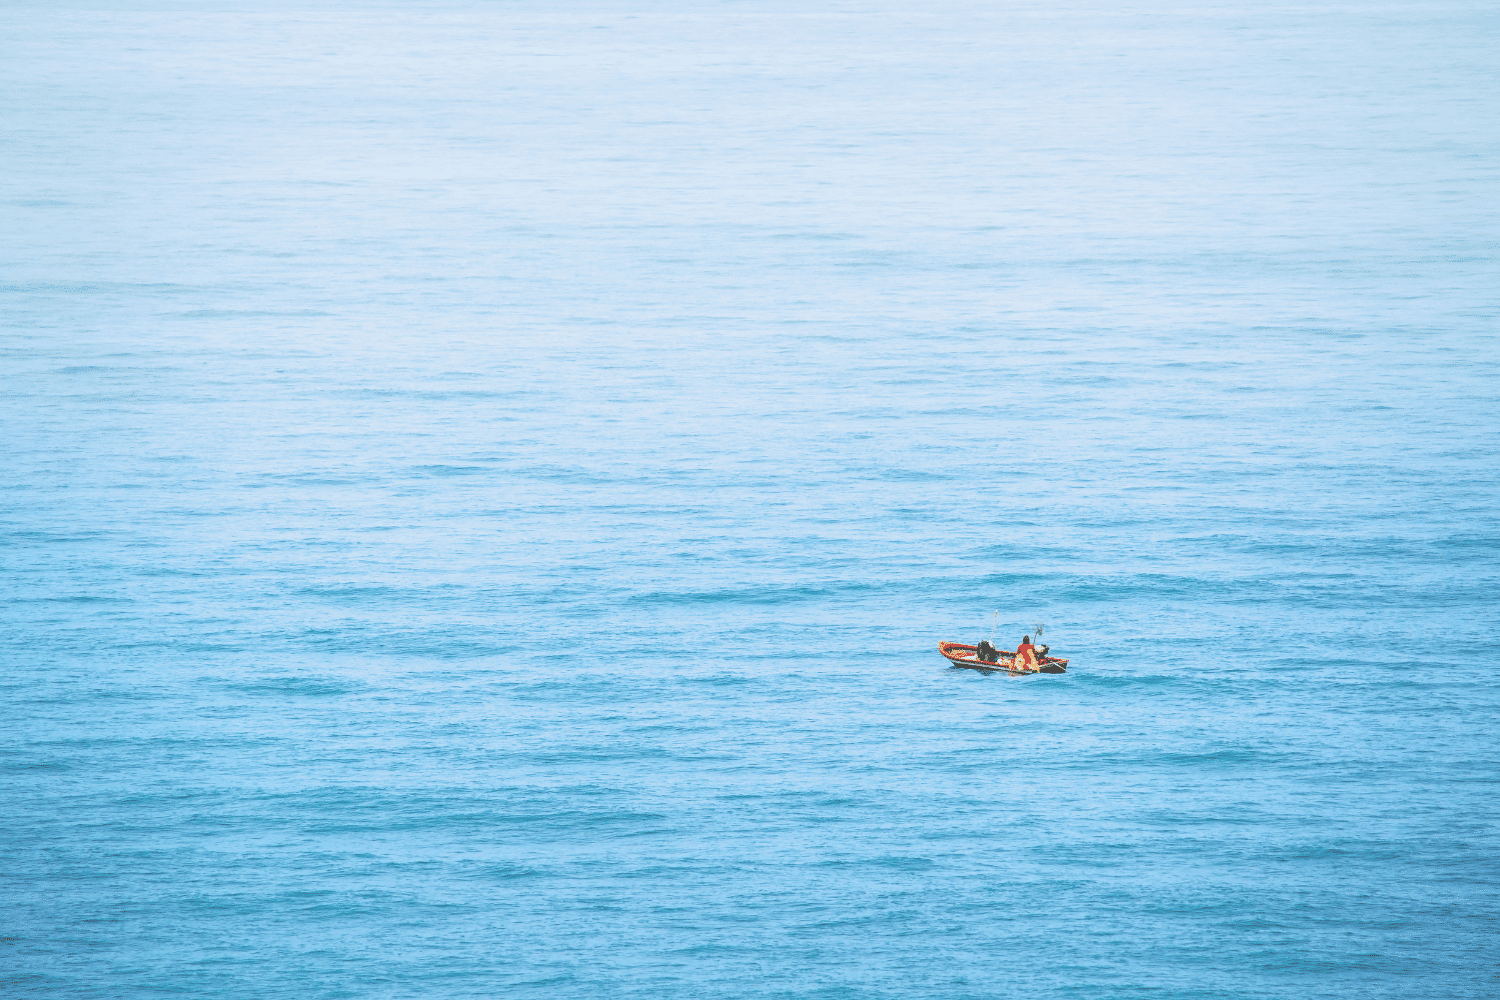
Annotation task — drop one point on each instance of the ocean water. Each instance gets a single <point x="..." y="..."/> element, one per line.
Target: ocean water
<point x="484" y="483"/>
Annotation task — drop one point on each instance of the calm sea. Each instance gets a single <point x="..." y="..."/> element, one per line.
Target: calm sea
<point x="483" y="483"/>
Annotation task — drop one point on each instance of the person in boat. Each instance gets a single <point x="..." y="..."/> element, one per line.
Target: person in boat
<point x="1026" y="655"/>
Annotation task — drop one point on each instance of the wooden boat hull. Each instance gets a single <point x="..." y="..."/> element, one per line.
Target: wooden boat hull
<point x="962" y="655"/>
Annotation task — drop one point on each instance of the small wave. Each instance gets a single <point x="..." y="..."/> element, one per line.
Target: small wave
<point x="246" y="313"/>
<point x="894" y="861"/>
<point x="509" y="871"/>
<point x="1228" y="756"/>
<point x="49" y="766"/>
<point x="297" y="686"/>
<point x="752" y="595"/>
<point x="720" y="680"/>
<point x="351" y="591"/>
<point x="451" y="470"/>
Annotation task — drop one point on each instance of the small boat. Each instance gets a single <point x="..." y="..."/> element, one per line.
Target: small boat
<point x="988" y="659"/>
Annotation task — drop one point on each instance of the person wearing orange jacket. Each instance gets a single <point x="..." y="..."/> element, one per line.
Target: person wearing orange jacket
<point x="1026" y="655"/>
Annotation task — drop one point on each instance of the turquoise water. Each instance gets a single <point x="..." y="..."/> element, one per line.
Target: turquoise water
<point x="485" y="483"/>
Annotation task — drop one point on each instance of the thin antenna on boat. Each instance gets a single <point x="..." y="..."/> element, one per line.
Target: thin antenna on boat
<point x="993" y="622"/>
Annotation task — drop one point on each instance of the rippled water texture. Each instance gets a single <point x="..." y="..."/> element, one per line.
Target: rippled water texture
<point x="484" y="483"/>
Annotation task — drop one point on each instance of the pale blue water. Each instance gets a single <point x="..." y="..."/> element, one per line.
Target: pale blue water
<point x="484" y="483"/>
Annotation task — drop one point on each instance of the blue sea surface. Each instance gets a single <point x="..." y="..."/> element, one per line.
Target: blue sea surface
<point x="484" y="483"/>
